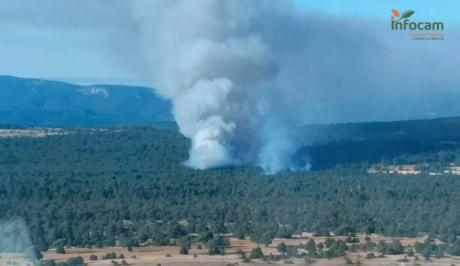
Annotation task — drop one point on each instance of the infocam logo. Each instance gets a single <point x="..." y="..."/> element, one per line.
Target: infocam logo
<point x="427" y="30"/>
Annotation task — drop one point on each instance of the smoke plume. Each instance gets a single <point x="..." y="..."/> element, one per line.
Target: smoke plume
<point x="218" y="64"/>
<point x="15" y="238"/>
<point x="244" y="75"/>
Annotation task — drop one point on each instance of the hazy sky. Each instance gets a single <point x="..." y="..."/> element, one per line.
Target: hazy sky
<point x="32" y="48"/>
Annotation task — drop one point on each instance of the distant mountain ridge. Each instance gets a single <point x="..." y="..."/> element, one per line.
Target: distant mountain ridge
<point x="36" y="102"/>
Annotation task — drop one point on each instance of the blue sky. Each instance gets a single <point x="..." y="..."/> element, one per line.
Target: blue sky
<point x="445" y="10"/>
<point x="65" y="52"/>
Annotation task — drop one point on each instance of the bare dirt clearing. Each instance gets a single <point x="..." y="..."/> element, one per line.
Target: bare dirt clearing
<point x="11" y="258"/>
<point x="170" y="256"/>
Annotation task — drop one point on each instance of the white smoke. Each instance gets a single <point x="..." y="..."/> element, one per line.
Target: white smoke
<point x="212" y="59"/>
<point x="243" y="75"/>
<point x="14" y="236"/>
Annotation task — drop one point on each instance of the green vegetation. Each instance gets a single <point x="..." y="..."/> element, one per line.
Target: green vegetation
<point x="217" y="245"/>
<point x="92" y="188"/>
<point x="109" y="256"/>
<point x="370" y="256"/>
<point x="73" y="261"/>
<point x="256" y="253"/>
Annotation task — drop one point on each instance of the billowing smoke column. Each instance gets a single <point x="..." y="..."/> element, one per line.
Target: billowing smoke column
<point x="215" y="62"/>
<point x="215" y="105"/>
<point x="243" y="75"/>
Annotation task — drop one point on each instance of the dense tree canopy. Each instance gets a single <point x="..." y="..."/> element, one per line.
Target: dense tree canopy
<point x="93" y="187"/>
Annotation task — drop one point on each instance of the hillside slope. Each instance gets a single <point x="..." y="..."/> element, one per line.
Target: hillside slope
<point x="49" y="103"/>
<point x="329" y="145"/>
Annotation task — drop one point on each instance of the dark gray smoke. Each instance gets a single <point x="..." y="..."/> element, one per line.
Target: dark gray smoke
<point x="244" y="75"/>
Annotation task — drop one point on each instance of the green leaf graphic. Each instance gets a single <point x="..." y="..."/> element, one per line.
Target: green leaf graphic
<point x="406" y="14"/>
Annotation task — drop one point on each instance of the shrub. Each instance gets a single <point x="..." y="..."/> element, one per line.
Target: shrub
<point x="281" y="247"/>
<point x="410" y="252"/>
<point x="370" y="256"/>
<point x="109" y="256"/>
<point x="60" y="249"/>
<point x="348" y="261"/>
<point x="75" y="261"/>
<point x="256" y="253"/>
<point x="183" y="250"/>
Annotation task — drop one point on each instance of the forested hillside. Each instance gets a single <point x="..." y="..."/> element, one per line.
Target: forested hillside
<point x="36" y="102"/>
<point x="328" y="145"/>
<point x="96" y="186"/>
